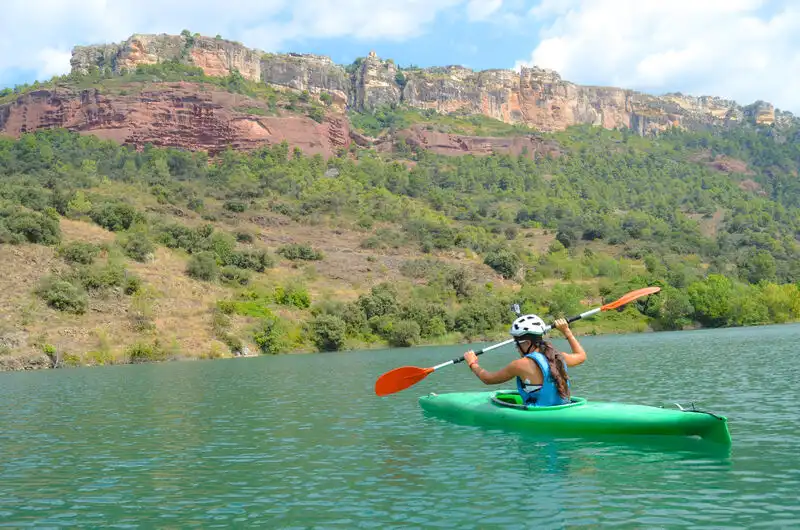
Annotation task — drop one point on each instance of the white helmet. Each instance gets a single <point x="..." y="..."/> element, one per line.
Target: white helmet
<point x="528" y="325"/>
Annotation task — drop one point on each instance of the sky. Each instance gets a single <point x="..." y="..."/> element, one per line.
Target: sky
<point x="745" y="50"/>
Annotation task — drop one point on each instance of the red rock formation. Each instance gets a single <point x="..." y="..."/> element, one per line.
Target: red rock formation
<point x="174" y="115"/>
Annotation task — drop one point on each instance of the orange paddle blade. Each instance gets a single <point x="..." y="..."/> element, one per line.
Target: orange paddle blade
<point x="399" y="379"/>
<point x="630" y="297"/>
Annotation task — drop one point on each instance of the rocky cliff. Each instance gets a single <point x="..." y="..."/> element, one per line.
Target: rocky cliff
<point x="215" y="56"/>
<point x="173" y="115"/>
<point x="534" y="97"/>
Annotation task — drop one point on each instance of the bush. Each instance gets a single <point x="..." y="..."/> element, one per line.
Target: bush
<point x="328" y="332"/>
<point x="132" y="285"/>
<point x="270" y="335"/>
<point x="114" y="216"/>
<point x="79" y="252"/>
<point x="317" y="114"/>
<point x="256" y="260"/>
<point x="404" y="333"/>
<point x="234" y="276"/>
<point x="293" y="295"/>
<point x="504" y="262"/>
<point x="235" y="206"/>
<point x="202" y="266"/>
<point x="138" y="246"/>
<point x="97" y="278"/>
<point x="64" y="296"/>
<point x="382" y="300"/>
<point x="19" y="225"/>
<point x="145" y="353"/>
<point x="565" y="300"/>
<point x="244" y="237"/>
<point x="300" y="252"/>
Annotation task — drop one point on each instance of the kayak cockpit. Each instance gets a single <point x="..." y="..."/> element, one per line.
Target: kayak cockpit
<point x="512" y="399"/>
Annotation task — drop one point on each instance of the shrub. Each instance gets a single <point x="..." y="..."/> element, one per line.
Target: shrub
<point x="256" y="260"/>
<point x="234" y="276"/>
<point x="293" y="295"/>
<point x="328" y="332"/>
<point x="19" y="225"/>
<point x="404" y="333"/>
<point x="132" y="284"/>
<point x="97" y="278"/>
<point x="382" y="300"/>
<point x="300" y="252"/>
<point x="244" y="237"/>
<point x="144" y="353"/>
<point x="138" y="246"/>
<point x="270" y="335"/>
<point x="114" y="216"/>
<point x="195" y="204"/>
<point x="565" y="300"/>
<point x="317" y="114"/>
<point x="79" y="252"/>
<point x="202" y="266"/>
<point x="64" y="296"/>
<point x="235" y="206"/>
<point x="504" y="262"/>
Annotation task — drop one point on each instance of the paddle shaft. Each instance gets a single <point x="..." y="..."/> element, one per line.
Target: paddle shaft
<point x="509" y="341"/>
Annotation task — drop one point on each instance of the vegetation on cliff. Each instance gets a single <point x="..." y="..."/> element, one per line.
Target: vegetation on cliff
<point x="451" y="242"/>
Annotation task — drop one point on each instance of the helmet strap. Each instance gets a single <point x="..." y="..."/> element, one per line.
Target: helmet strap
<point x="533" y="344"/>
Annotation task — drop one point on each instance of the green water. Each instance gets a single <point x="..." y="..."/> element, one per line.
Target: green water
<point x="301" y="442"/>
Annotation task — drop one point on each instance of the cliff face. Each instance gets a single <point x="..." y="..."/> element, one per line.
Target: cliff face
<point x="215" y="56"/>
<point x="172" y="115"/>
<point x="533" y="96"/>
<point x="314" y="73"/>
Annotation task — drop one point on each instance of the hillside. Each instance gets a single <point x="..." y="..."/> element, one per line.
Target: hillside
<point x="118" y="255"/>
<point x="156" y="211"/>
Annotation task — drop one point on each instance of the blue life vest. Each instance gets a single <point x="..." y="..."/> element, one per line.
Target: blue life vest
<point x="545" y="395"/>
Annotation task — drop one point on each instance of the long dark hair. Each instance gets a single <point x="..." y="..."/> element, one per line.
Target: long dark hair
<point x="556" y="361"/>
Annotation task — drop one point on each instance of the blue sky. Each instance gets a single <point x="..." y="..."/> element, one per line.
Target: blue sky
<point x="737" y="49"/>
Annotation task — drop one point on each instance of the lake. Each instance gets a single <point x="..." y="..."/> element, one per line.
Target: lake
<point x="301" y="441"/>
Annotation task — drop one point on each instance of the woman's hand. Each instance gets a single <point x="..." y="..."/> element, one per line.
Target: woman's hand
<point x="470" y="358"/>
<point x="562" y="325"/>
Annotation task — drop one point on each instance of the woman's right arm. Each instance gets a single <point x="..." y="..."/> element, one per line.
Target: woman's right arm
<point x="578" y="355"/>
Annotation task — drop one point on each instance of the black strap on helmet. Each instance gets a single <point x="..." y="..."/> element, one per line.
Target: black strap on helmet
<point x="535" y="341"/>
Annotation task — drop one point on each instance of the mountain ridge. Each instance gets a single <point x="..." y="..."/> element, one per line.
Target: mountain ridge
<point x="535" y="97"/>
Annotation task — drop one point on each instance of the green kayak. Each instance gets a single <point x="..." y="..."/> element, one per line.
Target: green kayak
<point x="580" y="418"/>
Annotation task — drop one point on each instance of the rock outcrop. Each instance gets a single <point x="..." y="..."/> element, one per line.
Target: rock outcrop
<point x="314" y="73"/>
<point x="534" y="97"/>
<point x="172" y="115"/>
<point x="373" y="84"/>
<point x="456" y="144"/>
<point x="216" y="57"/>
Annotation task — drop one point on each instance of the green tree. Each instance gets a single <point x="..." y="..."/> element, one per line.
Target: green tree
<point x="79" y="206"/>
<point x="711" y="299"/>
<point x="328" y="332"/>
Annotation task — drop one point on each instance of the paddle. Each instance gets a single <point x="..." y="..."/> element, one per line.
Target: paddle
<point x="406" y="376"/>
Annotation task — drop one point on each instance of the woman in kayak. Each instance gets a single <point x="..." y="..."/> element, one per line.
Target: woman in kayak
<point x="541" y="371"/>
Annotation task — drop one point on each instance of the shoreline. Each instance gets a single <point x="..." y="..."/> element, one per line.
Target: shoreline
<point x="41" y="361"/>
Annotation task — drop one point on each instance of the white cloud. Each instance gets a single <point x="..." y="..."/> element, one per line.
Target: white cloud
<point x="482" y="9"/>
<point x="41" y="39"/>
<point x="738" y="49"/>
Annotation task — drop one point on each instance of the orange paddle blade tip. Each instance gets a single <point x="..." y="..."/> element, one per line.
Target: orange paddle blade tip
<point x="400" y="379"/>
<point x="630" y="297"/>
